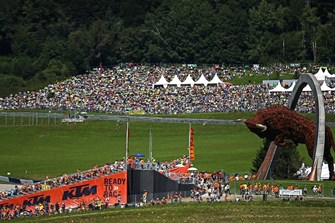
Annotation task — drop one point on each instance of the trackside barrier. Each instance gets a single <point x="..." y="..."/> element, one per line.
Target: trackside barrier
<point x="182" y="178"/>
<point x="171" y="197"/>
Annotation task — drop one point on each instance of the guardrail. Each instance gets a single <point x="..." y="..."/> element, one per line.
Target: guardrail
<point x="125" y="118"/>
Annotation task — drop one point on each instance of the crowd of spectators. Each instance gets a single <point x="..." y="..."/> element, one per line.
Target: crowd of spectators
<point x="120" y="90"/>
<point x="78" y="176"/>
<point x="64" y="179"/>
<point x="97" y="171"/>
<point x="211" y="187"/>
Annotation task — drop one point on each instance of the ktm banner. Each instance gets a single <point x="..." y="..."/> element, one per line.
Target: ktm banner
<point x="111" y="187"/>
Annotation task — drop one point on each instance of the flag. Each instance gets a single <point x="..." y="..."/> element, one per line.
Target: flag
<point x="191" y="142"/>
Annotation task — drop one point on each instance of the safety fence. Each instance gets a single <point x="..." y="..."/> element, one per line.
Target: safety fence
<point x="170" y="197"/>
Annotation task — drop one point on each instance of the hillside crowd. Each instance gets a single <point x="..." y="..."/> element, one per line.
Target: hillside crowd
<point x="120" y="90"/>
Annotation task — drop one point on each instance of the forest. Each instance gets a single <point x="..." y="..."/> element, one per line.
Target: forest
<point x="42" y="41"/>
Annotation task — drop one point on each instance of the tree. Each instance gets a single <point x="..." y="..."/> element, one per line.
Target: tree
<point x="9" y="18"/>
<point x="10" y="83"/>
<point x="310" y="27"/>
<point x="78" y="49"/>
<point x="102" y="40"/>
<point x="265" y="25"/>
<point x="131" y="44"/>
<point x="183" y="31"/>
<point x="326" y="46"/>
<point x="56" y="70"/>
<point x="260" y="155"/>
<point x="287" y="164"/>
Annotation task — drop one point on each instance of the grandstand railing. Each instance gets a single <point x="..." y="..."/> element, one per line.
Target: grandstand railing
<point x="171" y="197"/>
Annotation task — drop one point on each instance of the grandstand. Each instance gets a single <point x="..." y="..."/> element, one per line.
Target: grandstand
<point x="111" y="184"/>
<point x="129" y="91"/>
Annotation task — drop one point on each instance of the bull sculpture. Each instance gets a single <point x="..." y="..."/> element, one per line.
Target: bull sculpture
<point x="279" y="124"/>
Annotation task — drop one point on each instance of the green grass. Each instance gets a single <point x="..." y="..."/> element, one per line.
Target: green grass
<point x="50" y="150"/>
<point x="308" y="211"/>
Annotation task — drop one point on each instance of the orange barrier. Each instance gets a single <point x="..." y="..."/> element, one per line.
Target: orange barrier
<point x="111" y="187"/>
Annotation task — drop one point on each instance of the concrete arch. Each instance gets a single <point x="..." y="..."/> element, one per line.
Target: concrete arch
<point x="319" y="144"/>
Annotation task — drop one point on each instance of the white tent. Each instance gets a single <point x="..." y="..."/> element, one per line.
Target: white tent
<point x="278" y="88"/>
<point x="307" y="88"/>
<point x="324" y="87"/>
<point x="215" y="80"/>
<point x="324" y="171"/>
<point x="175" y="81"/>
<point x="327" y="74"/>
<point x="162" y="81"/>
<point x="202" y="80"/>
<point x="292" y="87"/>
<point x="188" y="81"/>
<point x="320" y="75"/>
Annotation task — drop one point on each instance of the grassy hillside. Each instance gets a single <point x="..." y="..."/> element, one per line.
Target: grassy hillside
<point x="50" y="150"/>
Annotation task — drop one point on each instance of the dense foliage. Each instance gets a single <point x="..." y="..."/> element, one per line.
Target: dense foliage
<point x="288" y="163"/>
<point x="43" y="40"/>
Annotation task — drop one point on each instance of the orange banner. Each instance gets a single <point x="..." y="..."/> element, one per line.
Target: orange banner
<point x="111" y="186"/>
<point x="191" y="144"/>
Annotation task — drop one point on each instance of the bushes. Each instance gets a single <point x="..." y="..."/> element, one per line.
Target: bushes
<point x="10" y="83"/>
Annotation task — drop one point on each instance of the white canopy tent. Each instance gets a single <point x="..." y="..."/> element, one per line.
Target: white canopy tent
<point x="307" y="88"/>
<point x="320" y="75"/>
<point x="215" y="80"/>
<point x="188" y="81"/>
<point x="324" y="87"/>
<point x="202" y="80"/>
<point x="175" y="81"/>
<point x="279" y="88"/>
<point x="324" y="171"/>
<point x="327" y="74"/>
<point x="161" y="81"/>
<point x="291" y="87"/>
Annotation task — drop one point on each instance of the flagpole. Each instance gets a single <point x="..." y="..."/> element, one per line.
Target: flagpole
<point x="150" y="148"/>
<point x="127" y="144"/>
